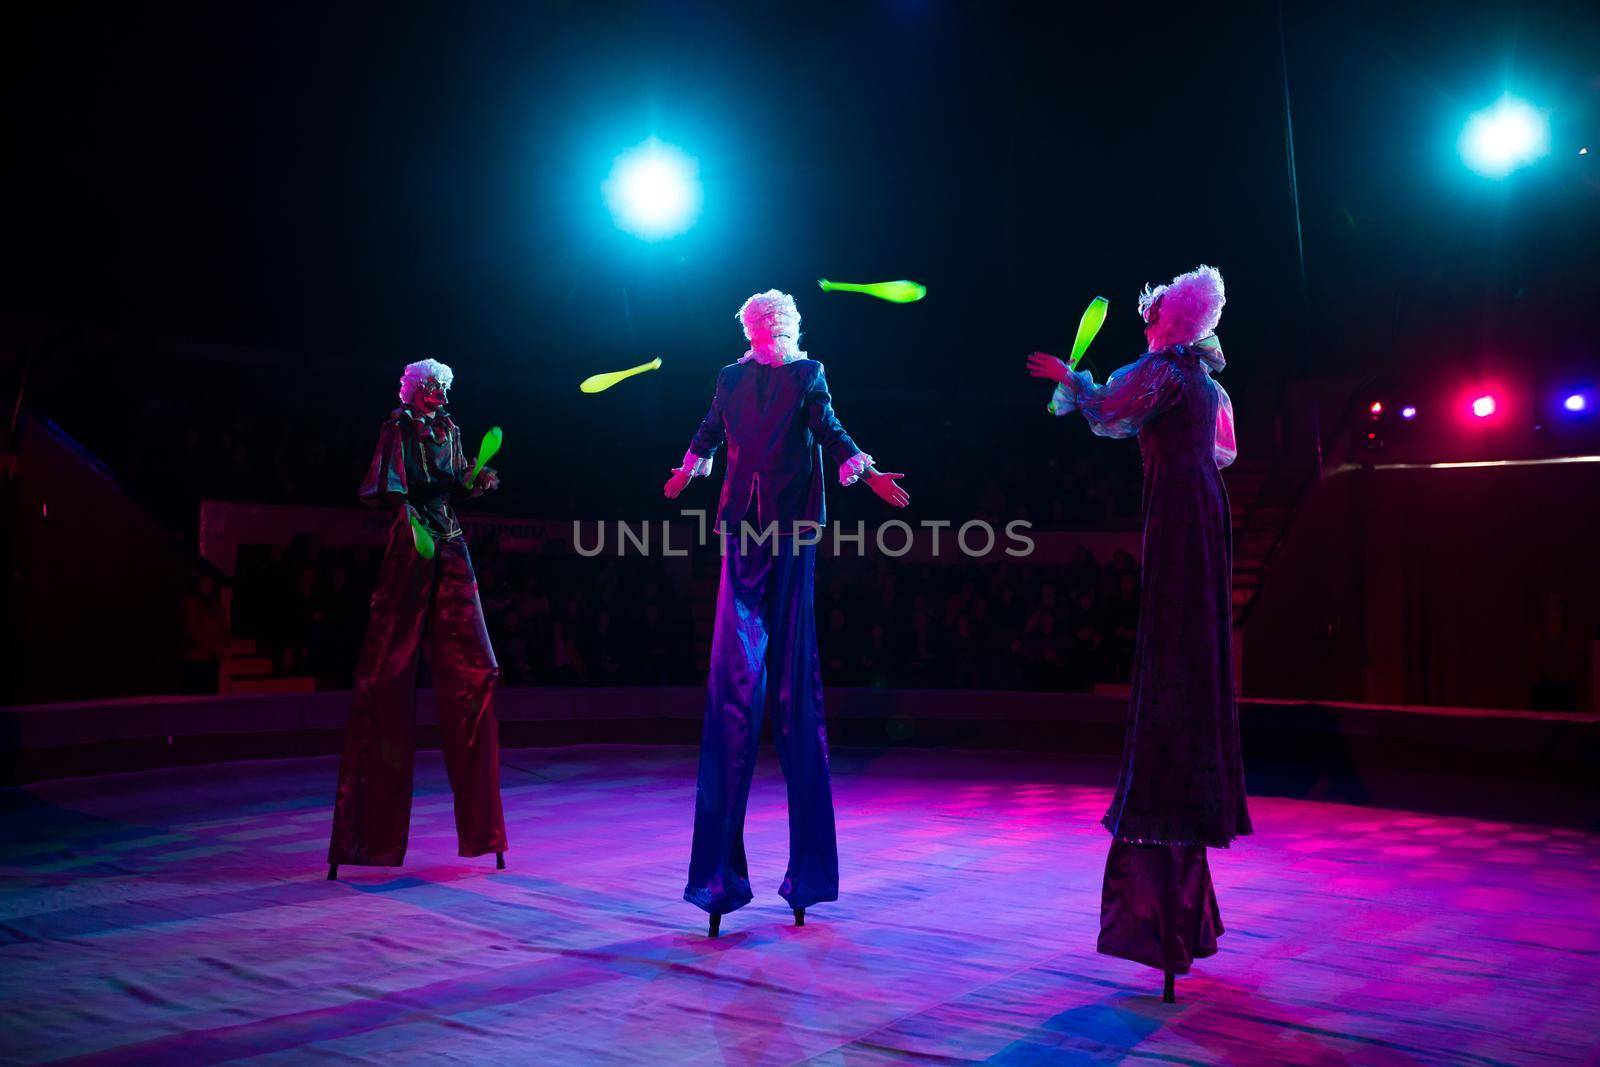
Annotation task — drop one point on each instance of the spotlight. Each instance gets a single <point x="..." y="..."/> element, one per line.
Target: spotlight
<point x="1576" y="403"/>
<point x="653" y="190"/>
<point x="1484" y="406"/>
<point x="1501" y="138"/>
<point x="1408" y="412"/>
<point x="1375" y="408"/>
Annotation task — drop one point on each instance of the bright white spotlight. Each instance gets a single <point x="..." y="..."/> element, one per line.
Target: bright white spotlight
<point x="1499" y="139"/>
<point x="653" y="190"/>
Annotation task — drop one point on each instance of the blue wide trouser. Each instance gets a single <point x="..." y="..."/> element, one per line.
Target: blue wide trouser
<point x="763" y="660"/>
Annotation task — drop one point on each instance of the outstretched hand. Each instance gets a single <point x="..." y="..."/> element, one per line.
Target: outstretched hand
<point x="675" y="484"/>
<point x="887" y="486"/>
<point x="1044" y="365"/>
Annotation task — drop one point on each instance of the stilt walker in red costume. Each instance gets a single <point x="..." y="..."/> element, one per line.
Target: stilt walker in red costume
<point x="418" y="469"/>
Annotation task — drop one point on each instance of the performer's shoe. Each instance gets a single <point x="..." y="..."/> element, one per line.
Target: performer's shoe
<point x="1169" y="994"/>
<point x="499" y="861"/>
<point x="716" y="925"/>
<point x="333" y="872"/>
<point x="799" y="916"/>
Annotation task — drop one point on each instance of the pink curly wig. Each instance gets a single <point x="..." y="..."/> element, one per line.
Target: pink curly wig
<point x="772" y="325"/>
<point x="1185" y="310"/>
<point x="422" y="371"/>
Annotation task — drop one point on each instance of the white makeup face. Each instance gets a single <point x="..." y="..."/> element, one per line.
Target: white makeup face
<point x="774" y="333"/>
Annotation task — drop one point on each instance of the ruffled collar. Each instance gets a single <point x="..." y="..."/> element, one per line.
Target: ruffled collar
<point x="1207" y="350"/>
<point x="437" y="427"/>
<point x="441" y="413"/>
<point x="770" y="358"/>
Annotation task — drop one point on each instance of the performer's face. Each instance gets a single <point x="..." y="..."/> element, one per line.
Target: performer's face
<point x="1150" y="325"/>
<point x="780" y="334"/>
<point x="429" y="398"/>
<point x="763" y="336"/>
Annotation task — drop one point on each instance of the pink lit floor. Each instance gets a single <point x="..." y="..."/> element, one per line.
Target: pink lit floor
<point x="182" y="916"/>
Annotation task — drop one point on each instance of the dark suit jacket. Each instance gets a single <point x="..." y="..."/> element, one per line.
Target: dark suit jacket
<point x="779" y="424"/>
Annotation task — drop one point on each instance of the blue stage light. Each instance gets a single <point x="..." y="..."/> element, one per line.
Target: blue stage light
<point x="1577" y="403"/>
<point x="1408" y="412"/>
<point x="654" y="190"/>
<point x="1501" y="138"/>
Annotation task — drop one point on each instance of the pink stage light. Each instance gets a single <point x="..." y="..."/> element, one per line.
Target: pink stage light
<point x="1484" y="406"/>
<point x="1376" y="408"/>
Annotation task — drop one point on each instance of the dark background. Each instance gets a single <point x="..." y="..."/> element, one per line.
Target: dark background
<point x="367" y="185"/>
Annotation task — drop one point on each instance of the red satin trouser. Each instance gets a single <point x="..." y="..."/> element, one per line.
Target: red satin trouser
<point x="372" y="812"/>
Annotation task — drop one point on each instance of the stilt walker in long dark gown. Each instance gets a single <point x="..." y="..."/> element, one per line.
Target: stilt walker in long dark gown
<point x="1181" y="787"/>
<point x="773" y="410"/>
<point x="418" y="469"/>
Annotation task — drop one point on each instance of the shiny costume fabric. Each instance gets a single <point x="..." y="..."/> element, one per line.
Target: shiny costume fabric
<point x="1181" y="784"/>
<point x="417" y="468"/>
<point x="1157" y="906"/>
<point x="764" y="661"/>
<point x="777" y="421"/>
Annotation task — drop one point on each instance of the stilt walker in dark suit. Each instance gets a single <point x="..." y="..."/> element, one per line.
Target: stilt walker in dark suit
<point x="773" y="410"/>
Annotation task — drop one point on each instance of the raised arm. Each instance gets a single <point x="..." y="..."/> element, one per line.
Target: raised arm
<point x="1129" y="399"/>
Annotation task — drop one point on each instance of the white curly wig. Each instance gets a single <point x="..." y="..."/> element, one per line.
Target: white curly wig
<point x="1190" y="306"/>
<point x="421" y="372"/>
<point x="772" y="326"/>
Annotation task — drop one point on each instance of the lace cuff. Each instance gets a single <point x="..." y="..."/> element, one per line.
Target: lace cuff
<point x="1064" y="401"/>
<point x="1131" y="397"/>
<point x="695" y="466"/>
<point x="851" y="470"/>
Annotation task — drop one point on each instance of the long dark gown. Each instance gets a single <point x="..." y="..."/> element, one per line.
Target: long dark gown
<point x="1181" y="786"/>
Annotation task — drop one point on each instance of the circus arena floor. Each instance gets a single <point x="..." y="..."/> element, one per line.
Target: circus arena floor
<point x="183" y="916"/>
